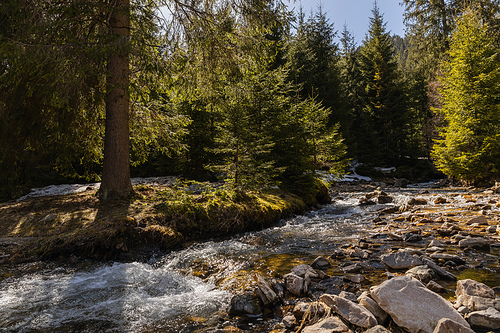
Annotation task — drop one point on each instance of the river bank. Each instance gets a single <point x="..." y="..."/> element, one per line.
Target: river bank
<point x="157" y="217"/>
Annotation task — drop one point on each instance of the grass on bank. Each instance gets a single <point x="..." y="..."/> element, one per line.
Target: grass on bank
<point x="160" y="216"/>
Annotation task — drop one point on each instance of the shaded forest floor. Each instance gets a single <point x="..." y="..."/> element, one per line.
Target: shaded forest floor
<point x="162" y="217"/>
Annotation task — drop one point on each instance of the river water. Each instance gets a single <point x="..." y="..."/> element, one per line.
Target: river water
<point x="181" y="291"/>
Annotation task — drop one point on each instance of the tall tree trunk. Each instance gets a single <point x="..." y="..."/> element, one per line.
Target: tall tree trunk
<point x="116" y="169"/>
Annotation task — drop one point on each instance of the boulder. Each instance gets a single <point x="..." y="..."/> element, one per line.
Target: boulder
<point x="327" y="325"/>
<point x="294" y="284"/>
<point x="412" y="306"/>
<point x="480" y="220"/>
<point x="422" y="273"/>
<point x="303" y="270"/>
<point x="289" y="321"/>
<point x="246" y="303"/>
<point x="446" y="325"/>
<point x="435" y="287"/>
<point x="486" y="319"/>
<point x="474" y="288"/>
<point x="350" y="311"/>
<point x="400" y="260"/>
<point x="384" y="199"/>
<point x="369" y="303"/>
<point x="474" y="243"/>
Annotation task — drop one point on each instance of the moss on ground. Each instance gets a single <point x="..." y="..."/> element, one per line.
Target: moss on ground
<point x="157" y="216"/>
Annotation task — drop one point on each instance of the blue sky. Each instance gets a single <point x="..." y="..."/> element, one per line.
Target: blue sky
<point x="356" y="13"/>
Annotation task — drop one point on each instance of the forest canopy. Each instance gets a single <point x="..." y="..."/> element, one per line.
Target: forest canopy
<point x="247" y="92"/>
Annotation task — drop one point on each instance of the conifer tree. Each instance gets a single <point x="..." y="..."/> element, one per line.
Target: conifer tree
<point x="470" y="141"/>
<point x="383" y="100"/>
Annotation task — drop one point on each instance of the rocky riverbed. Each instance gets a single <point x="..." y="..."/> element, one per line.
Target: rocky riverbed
<point x="429" y="264"/>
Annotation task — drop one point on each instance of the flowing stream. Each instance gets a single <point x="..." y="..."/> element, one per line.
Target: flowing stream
<point x="180" y="291"/>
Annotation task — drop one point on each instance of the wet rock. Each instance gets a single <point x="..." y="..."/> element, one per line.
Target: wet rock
<point x="474" y="243"/>
<point x="487" y="319"/>
<point x="384" y="199"/>
<point x="400" y="260"/>
<point x="440" y="201"/>
<point x="433" y="249"/>
<point x="369" y="303"/>
<point x="412" y="306"/>
<point x="294" y="284"/>
<point x="355" y="278"/>
<point x="492" y="229"/>
<point x="366" y="202"/>
<point x="390" y="210"/>
<point x="363" y="254"/>
<point x="331" y="285"/>
<point x="446" y="325"/>
<point x="448" y="257"/>
<point x="265" y="292"/>
<point x="422" y="273"/>
<point x="354" y="268"/>
<point x="289" y="321"/>
<point x="304" y="270"/>
<point x="327" y="325"/>
<point x="246" y="303"/>
<point x="412" y="238"/>
<point x="480" y="220"/>
<point x="339" y="254"/>
<point x="350" y="311"/>
<point x="417" y="201"/>
<point x="378" y="329"/>
<point x="321" y="263"/>
<point x="435" y="287"/>
<point x="278" y="289"/>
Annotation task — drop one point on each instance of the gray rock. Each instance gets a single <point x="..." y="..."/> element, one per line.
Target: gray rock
<point x="348" y="295"/>
<point x="321" y="263"/>
<point x="294" y="284"/>
<point x="446" y="325"/>
<point x="265" y="292"/>
<point x="289" y="321"/>
<point x="350" y="311"/>
<point x="474" y="288"/>
<point x="355" y="278"/>
<point x="433" y="249"/>
<point x="327" y="325"/>
<point x="246" y="303"/>
<point x="315" y="309"/>
<point x="435" y="242"/>
<point x="303" y="270"/>
<point x="476" y="303"/>
<point x="369" y="303"/>
<point x="435" y="287"/>
<point x="400" y="260"/>
<point x="412" y="306"/>
<point x="486" y="319"/>
<point x="422" y="273"/>
<point x="448" y="257"/>
<point x="378" y="329"/>
<point x="473" y="242"/>
<point x="480" y="220"/>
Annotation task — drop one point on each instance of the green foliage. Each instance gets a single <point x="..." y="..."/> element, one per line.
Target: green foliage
<point x="469" y="147"/>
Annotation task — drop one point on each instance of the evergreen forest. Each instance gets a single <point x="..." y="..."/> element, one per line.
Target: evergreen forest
<point x="245" y="91"/>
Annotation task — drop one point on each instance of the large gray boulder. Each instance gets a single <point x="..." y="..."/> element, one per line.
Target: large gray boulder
<point x="475" y="295"/>
<point x="485" y="319"/>
<point x="246" y="303"/>
<point x="400" y="260"/>
<point x="294" y="284"/>
<point x="412" y="306"/>
<point x="327" y="325"/>
<point x="350" y="311"/>
<point x="422" y="273"/>
<point x="446" y="325"/>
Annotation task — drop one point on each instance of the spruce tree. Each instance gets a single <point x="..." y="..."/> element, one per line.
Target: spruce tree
<point x="470" y="141"/>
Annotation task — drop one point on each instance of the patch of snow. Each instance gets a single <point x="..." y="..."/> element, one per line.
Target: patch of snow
<point x="65" y="189"/>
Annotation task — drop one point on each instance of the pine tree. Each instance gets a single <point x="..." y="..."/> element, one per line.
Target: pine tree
<point x="470" y="144"/>
<point x="383" y="100"/>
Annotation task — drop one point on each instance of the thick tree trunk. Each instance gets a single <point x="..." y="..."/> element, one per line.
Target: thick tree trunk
<point x="116" y="169"/>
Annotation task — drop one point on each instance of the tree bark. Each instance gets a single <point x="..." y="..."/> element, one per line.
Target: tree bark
<point x="116" y="165"/>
